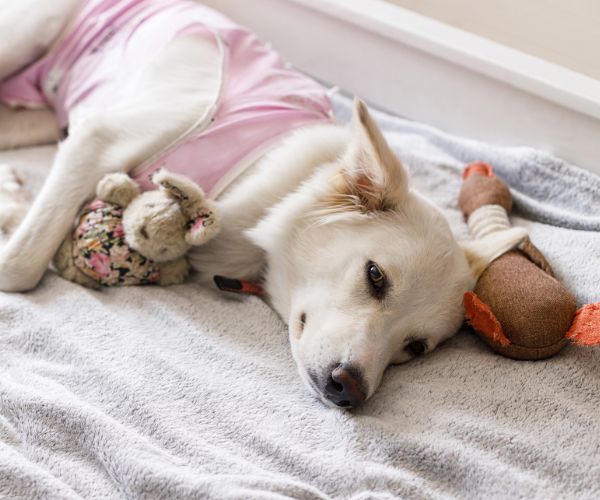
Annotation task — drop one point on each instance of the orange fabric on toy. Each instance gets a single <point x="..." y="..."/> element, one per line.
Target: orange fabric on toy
<point x="481" y="317"/>
<point x="585" y="329"/>
<point x="479" y="168"/>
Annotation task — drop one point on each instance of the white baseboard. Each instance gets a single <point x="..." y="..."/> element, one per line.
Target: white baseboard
<point x="428" y="71"/>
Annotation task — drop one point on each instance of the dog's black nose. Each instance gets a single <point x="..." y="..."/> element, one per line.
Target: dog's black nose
<point x="344" y="387"/>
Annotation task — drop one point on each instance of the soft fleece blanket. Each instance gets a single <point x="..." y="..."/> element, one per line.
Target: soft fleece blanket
<point x="181" y="393"/>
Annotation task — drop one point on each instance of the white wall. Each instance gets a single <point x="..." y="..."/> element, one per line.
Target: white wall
<point x="429" y="71"/>
<point x="565" y="32"/>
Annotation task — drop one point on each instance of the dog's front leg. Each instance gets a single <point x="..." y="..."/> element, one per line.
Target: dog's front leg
<point x="79" y="164"/>
<point x="179" y="86"/>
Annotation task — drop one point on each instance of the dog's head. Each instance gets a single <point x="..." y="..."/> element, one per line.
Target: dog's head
<point x="366" y="271"/>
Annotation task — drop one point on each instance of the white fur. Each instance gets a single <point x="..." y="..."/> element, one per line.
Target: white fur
<point x="279" y="222"/>
<point x="33" y="27"/>
<point x="162" y="102"/>
<point x="313" y="260"/>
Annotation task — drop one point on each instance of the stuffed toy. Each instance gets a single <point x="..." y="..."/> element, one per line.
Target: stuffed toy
<point x="126" y="237"/>
<point x="518" y="307"/>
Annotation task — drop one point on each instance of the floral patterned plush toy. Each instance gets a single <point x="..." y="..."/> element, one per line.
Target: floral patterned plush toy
<point x="126" y="237"/>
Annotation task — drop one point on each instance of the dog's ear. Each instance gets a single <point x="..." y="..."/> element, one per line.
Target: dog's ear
<point x="480" y="253"/>
<point x="372" y="176"/>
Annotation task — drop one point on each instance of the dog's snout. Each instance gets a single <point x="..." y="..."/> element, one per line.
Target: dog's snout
<point x="344" y="387"/>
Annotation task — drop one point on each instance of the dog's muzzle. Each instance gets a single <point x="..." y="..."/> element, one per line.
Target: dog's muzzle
<point x="344" y="387"/>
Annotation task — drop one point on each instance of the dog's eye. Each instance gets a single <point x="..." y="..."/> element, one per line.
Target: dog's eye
<point x="417" y="347"/>
<point x="143" y="232"/>
<point x="376" y="278"/>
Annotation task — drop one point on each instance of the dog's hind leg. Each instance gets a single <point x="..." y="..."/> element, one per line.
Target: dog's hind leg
<point x="176" y="89"/>
<point x="28" y="28"/>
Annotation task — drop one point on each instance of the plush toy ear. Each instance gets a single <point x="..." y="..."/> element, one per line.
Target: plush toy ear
<point x="178" y="187"/>
<point x="480" y="253"/>
<point x="203" y="226"/>
<point x="203" y="221"/>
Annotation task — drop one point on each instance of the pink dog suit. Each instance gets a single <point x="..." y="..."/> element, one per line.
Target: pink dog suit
<point x="260" y="98"/>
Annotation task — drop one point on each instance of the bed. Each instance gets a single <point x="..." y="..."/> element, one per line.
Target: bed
<point x="181" y="392"/>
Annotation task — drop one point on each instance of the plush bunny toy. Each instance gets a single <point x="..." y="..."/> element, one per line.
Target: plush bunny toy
<point x="126" y="237"/>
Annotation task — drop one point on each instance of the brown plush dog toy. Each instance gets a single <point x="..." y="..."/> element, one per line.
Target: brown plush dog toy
<point x="518" y="307"/>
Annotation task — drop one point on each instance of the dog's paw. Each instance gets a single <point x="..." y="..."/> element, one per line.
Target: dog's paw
<point x="10" y="182"/>
<point x="13" y="199"/>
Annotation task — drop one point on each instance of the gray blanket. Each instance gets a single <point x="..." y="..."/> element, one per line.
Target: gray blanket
<point x="180" y="393"/>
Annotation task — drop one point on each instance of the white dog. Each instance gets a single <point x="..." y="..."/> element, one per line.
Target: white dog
<point x="365" y="271"/>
